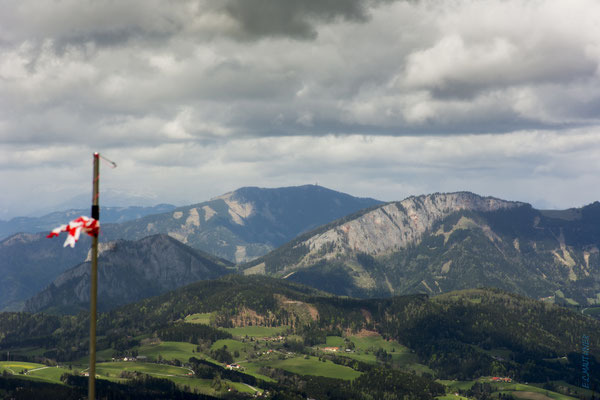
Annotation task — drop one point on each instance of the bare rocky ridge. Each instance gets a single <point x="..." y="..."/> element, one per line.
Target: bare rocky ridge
<point x="246" y="223"/>
<point x="442" y="242"/>
<point x="395" y="226"/>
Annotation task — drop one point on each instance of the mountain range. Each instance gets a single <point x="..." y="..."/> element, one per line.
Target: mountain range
<point x="442" y="242"/>
<point x="238" y="226"/>
<point x="54" y="219"/>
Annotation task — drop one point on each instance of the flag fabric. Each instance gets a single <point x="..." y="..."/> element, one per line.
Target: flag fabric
<point x="88" y="225"/>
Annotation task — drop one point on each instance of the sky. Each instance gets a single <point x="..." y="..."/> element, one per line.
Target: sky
<point x="383" y="99"/>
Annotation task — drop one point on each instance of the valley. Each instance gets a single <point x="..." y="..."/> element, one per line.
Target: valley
<point x="245" y="336"/>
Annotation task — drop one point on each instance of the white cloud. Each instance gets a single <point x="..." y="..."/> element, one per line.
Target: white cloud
<point x="361" y="95"/>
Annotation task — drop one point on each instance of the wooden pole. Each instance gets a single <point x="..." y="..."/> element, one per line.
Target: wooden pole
<point x="94" y="280"/>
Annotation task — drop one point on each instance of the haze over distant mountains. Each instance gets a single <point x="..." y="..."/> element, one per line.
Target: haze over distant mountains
<point x="238" y="226"/>
<point x="429" y="244"/>
<point x="54" y="219"/>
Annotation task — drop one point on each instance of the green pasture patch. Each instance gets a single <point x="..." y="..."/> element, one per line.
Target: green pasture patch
<point x="451" y="397"/>
<point x="14" y="367"/>
<point x="49" y="374"/>
<point x="312" y="366"/>
<point x="232" y="345"/>
<point x="257" y="331"/>
<point x="201" y="385"/>
<point x="200" y="318"/>
<point x="241" y="387"/>
<point x="372" y="343"/>
<point x="522" y="391"/>
<point x="181" y="351"/>
<point x="253" y="368"/>
<point x="336" y="341"/>
<point x="114" y="368"/>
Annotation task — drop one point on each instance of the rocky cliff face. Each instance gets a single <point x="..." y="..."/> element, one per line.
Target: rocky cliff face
<point x="395" y="226"/>
<point x="247" y="223"/>
<point x="441" y="242"/>
<point x="127" y="272"/>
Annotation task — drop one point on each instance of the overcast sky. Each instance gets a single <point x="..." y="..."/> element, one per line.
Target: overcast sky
<point x="384" y="99"/>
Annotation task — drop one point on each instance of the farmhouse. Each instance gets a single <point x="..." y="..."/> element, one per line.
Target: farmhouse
<point x="499" y="379"/>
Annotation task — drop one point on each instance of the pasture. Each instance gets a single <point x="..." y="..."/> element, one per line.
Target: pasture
<point x="312" y="366"/>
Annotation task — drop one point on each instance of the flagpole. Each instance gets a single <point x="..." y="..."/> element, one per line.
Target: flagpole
<point x="94" y="279"/>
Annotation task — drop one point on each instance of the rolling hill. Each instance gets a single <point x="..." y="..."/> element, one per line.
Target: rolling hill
<point x="460" y="335"/>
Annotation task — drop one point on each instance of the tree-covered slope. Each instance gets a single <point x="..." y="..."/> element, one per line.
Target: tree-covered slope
<point x="459" y="335"/>
<point x="128" y="271"/>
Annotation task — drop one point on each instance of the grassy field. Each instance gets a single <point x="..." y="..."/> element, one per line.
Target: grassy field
<point x="168" y="350"/>
<point x="257" y="331"/>
<point x="200" y="318"/>
<point x="312" y="366"/>
<point x="518" y="390"/>
<point x="577" y="389"/>
<point x="365" y="348"/>
<point x="15" y="367"/>
<point x="50" y="374"/>
<point x="114" y="368"/>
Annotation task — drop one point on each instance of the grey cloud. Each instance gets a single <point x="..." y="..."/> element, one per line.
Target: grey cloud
<point x="257" y="89"/>
<point x="292" y="18"/>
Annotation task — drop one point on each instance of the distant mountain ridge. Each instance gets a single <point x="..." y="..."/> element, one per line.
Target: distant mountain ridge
<point x="128" y="271"/>
<point x="441" y="242"/>
<point x="54" y="219"/>
<point x="248" y="222"/>
<point x="238" y="226"/>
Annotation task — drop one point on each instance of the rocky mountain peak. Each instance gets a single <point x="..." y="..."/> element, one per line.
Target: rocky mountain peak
<point x="394" y="226"/>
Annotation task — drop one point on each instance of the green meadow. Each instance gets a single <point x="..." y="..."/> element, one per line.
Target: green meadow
<point x="257" y="331"/>
<point x="200" y="318"/>
<point x="114" y="368"/>
<point x="312" y="366"/>
<point x="168" y="351"/>
<point x="365" y="348"/>
<point x="15" y="367"/>
<point x="50" y="374"/>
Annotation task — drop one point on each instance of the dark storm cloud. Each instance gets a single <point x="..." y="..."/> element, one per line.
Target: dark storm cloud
<point x="296" y="19"/>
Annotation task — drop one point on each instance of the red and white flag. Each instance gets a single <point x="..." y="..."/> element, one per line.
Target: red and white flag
<point x="85" y="224"/>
